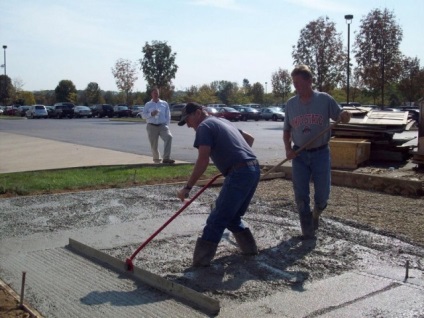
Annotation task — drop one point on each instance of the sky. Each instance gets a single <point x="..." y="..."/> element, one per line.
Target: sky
<point x="81" y="40"/>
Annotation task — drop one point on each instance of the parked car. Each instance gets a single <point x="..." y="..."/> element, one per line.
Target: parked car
<point x="63" y="110"/>
<point x="229" y="113"/>
<point x="102" y="110"/>
<point x="212" y="111"/>
<point x="353" y="104"/>
<point x="82" y="111"/>
<point x="176" y="111"/>
<point x="21" y="111"/>
<point x="253" y="105"/>
<point x="10" y="111"/>
<point x="50" y="111"/>
<point x="136" y="109"/>
<point x="37" y="111"/>
<point x="216" y="105"/>
<point x="273" y="113"/>
<point x="121" y="111"/>
<point x="248" y="113"/>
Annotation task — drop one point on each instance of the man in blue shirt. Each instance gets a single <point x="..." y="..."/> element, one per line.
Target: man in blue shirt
<point x="231" y="152"/>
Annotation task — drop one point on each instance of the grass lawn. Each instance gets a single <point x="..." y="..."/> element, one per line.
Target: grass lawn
<point x="63" y="180"/>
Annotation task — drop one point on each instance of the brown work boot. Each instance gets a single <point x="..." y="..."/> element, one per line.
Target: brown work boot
<point x="246" y="242"/>
<point x="204" y="252"/>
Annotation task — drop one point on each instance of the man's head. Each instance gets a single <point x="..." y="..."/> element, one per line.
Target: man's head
<point x="190" y="110"/>
<point x="303" y="70"/>
<point x="302" y="79"/>
<point x="155" y="94"/>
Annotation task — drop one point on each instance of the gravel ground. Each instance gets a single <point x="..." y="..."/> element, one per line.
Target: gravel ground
<point x="359" y="229"/>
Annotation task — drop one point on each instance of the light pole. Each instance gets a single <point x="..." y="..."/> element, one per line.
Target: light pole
<point x="4" y="65"/>
<point x="266" y="90"/>
<point x="348" y="18"/>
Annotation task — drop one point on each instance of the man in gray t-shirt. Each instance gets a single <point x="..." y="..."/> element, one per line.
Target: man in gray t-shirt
<point x="230" y="150"/>
<point x="307" y="115"/>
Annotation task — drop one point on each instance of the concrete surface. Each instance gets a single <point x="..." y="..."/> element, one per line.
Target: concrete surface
<point x="23" y="153"/>
<point x="63" y="284"/>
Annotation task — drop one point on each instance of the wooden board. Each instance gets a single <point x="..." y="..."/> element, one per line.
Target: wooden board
<point x="349" y="153"/>
<point x="185" y="294"/>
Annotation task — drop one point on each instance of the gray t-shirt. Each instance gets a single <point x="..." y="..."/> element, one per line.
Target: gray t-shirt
<point x="228" y="146"/>
<point x="305" y="121"/>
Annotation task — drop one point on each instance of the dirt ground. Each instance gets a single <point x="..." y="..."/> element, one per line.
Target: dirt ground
<point x="358" y="228"/>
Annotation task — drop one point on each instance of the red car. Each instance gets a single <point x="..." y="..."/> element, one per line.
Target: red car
<point x="212" y="111"/>
<point x="230" y="113"/>
<point x="11" y="111"/>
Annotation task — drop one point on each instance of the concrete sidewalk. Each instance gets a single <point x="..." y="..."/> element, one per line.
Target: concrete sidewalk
<point x="23" y="153"/>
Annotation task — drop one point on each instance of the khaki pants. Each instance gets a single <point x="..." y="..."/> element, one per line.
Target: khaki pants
<point x="162" y="131"/>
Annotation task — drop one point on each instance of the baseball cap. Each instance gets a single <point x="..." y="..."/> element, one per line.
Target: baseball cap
<point x="190" y="108"/>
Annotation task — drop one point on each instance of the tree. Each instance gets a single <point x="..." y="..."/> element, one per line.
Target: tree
<point x="411" y="79"/>
<point x="205" y="94"/>
<point x="125" y="76"/>
<point x="158" y="65"/>
<point x="6" y="88"/>
<point x="257" y="93"/>
<point x="321" y="48"/>
<point x="224" y="90"/>
<point x="281" y="84"/>
<point x="92" y="94"/>
<point x="28" y="97"/>
<point x="246" y="86"/>
<point x="66" y="92"/>
<point x="17" y="91"/>
<point x="377" y="50"/>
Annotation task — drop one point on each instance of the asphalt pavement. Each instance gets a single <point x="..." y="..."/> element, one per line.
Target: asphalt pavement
<point x="387" y="291"/>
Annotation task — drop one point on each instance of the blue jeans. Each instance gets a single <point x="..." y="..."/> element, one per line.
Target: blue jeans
<point x="316" y="167"/>
<point x="232" y="203"/>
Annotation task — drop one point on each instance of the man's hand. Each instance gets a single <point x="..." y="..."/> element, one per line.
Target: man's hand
<point x="344" y="117"/>
<point x="183" y="194"/>
<point x="290" y="154"/>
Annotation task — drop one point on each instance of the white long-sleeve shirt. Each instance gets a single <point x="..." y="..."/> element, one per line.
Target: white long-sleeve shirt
<point x="164" y="116"/>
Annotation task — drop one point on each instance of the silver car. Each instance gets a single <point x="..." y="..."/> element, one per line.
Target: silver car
<point x="273" y="113"/>
<point x="37" y="111"/>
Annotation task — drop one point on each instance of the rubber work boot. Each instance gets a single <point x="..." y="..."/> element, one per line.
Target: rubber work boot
<point x="204" y="252"/>
<point x="246" y="242"/>
<point x="308" y="230"/>
<point x="316" y="213"/>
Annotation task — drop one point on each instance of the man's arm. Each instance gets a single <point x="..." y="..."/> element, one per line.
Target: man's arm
<point x="202" y="163"/>
<point x="290" y="153"/>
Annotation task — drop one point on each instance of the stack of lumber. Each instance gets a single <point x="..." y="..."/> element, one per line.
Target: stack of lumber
<point x="378" y="127"/>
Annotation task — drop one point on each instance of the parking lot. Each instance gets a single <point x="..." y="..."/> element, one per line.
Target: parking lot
<point x="131" y="137"/>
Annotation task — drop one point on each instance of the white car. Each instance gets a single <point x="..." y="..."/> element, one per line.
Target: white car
<point x="37" y="111"/>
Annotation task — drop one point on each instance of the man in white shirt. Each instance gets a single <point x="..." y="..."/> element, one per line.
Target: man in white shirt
<point x="158" y="116"/>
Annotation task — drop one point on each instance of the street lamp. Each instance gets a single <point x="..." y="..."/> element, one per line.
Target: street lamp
<point x="4" y="65"/>
<point x="348" y="18"/>
<point x="266" y="90"/>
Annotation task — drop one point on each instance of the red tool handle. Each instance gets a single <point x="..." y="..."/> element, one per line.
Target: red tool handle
<point x="187" y="203"/>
